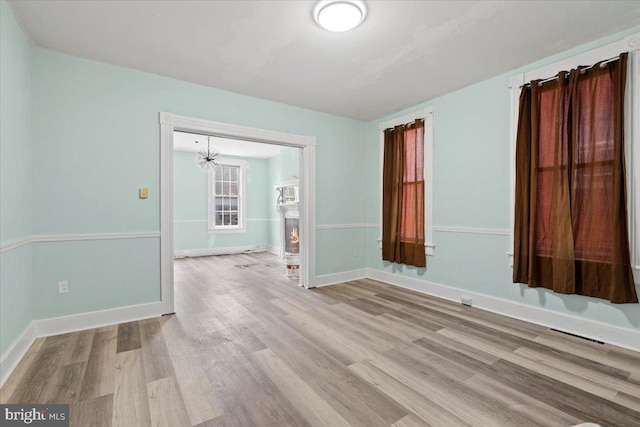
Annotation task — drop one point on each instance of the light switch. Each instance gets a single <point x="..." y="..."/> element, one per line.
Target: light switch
<point x="144" y="193"/>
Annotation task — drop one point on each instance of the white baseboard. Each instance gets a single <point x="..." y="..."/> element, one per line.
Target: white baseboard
<point x="188" y="253"/>
<point x="14" y="353"/>
<point x="95" y="319"/>
<point x="343" y="276"/>
<point x="616" y="335"/>
<point x="72" y="323"/>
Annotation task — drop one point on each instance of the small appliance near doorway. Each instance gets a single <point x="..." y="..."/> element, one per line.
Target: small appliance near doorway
<point x="303" y="239"/>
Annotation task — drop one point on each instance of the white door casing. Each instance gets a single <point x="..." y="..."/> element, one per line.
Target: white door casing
<point x="168" y="124"/>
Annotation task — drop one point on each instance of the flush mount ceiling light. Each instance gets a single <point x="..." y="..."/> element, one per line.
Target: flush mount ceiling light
<point x="339" y="15"/>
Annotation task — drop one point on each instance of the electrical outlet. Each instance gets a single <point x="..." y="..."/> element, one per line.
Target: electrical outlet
<point x="63" y="287"/>
<point x="465" y="300"/>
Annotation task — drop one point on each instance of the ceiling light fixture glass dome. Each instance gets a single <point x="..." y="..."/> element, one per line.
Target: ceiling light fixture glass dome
<point x="339" y="15"/>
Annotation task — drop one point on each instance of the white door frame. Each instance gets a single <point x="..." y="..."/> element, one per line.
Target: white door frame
<point x="170" y="122"/>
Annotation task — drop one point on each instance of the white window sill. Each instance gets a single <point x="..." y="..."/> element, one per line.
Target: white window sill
<point x="227" y="230"/>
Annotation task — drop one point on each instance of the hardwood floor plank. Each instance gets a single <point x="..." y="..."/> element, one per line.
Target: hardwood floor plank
<point x="587" y="350"/>
<point x="572" y="400"/>
<point x="390" y="305"/>
<point x="369" y="337"/>
<point x="341" y="347"/>
<point x="130" y="400"/>
<point x="248" y="396"/>
<point x="155" y="356"/>
<point x="603" y="375"/>
<point x="37" y="380"/>
<point x="96" y="412"/>
<point x="418" y="321"/>
<point x="79" y="347"/>
<point x="371" y="285"/>
<point x="19" y="373"/>
<point x="532" y="363"/>
<point x="366" y="405"/>
<point x="628" y="400"/>
<point x="292" y="304"/>
<point x="128" y="336"/>
<point x="99" y="375"/>
<point x="411" y="420"/>
<point x="429" y="411"/>
<point x="200" y="402"/>
<point x="451" y="394"/>
<point x="461" y="347"/>
<point x="66" y="384"/>
<point x="369" y="306"/>
<point x="451" y="355"/>
<point x="416" y="299"/>
<point x="345" y="292"/>
<point x="312" y="407"/>
<point x="419" y="358"/>
<point x="540" y="413"/>
<point x="166" y="404"/>
<point x="373" y="327"/>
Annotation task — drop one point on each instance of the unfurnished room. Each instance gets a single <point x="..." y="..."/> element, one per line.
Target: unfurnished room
<point x="319" y="213"/>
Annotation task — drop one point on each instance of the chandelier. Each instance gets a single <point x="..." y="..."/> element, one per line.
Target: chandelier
<point x="206" y="159"/>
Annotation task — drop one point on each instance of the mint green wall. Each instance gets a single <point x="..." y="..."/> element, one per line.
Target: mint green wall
<point x="101" y="274"/>
<point x="15" y="129"/>
<point x="98" y="125"/>
<point x="190" y="203"/>
<point x="281" y="168"/>
<point x="15" y="178"/>
<point x="472" y="189"/>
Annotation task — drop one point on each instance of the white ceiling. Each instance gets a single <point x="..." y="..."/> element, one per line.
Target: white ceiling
<point x="405" y="52"/>
<point x="183" y="141"/>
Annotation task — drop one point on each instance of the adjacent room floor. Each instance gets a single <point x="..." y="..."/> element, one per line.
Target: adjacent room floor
<point x="249" y="347"/>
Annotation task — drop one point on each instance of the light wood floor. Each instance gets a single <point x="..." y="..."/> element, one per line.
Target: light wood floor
<point x="249" y="347"/>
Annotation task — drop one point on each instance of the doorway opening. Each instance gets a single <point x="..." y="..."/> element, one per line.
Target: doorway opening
<point x="261" y="205"/>
<point x="230" y="197"/>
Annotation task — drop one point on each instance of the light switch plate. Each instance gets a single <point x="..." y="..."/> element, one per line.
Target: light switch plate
<point x="144" y="193"/>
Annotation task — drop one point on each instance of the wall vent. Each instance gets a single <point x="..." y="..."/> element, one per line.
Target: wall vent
<point x="577" y="336"/>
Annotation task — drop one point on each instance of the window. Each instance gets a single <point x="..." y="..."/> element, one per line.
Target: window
<point x="227" y="197"/>
<point x="414" y="182"/>
<point x="591" y="163"/>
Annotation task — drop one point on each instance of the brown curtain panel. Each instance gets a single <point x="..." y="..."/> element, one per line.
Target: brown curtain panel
<point x="570" y="230"/>
<point x="403" y="195"/>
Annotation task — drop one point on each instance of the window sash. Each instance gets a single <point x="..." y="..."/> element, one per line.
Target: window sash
<point x="227" y="197"/>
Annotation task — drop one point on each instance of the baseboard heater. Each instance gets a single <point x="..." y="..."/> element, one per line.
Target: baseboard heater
<point x="577" y="336"/>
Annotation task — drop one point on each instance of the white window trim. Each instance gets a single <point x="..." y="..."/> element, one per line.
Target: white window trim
<point x="426" y="114"/>
<point x="242" y="219"/>
<point x="629" y="44"/>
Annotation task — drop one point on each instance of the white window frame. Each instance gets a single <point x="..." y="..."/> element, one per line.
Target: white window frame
<point x="242" y="193"/>
<point x="629" y="44"/>
<point x="425" y="113"/>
